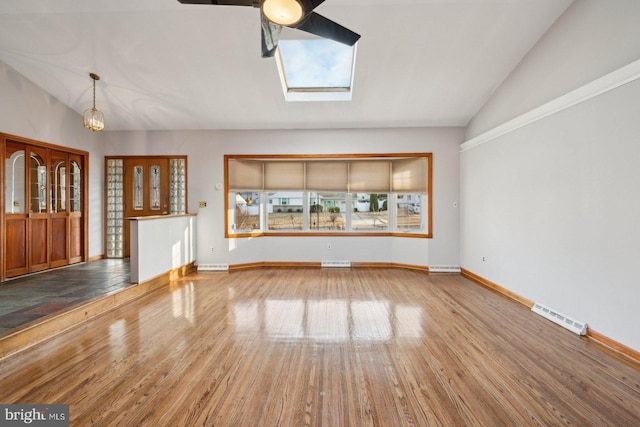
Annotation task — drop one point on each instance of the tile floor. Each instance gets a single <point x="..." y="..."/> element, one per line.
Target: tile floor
<point x="28" y="298"/>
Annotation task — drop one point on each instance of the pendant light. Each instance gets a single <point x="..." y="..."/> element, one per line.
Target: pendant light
<point x="93" y="118"/>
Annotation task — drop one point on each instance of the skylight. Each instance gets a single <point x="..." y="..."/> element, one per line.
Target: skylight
<point x="316" y="69"/>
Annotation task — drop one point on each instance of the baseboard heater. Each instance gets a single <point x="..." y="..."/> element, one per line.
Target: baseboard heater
<point x="336" y="264"/>
<point x="444" y="269"/>
<point x="573" y="325"/>
<point x="213" y="267"/>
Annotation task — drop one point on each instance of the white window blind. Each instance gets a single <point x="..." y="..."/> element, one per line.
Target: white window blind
<point x="404" y="174"/>
<point x="245" y="175"/>
<point x="410" y="175"/>
<point x="280" y="176"/>
<point x="328" y="176"/>
<point x="370" y="176"/>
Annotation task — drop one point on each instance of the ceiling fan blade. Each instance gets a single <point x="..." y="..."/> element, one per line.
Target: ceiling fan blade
<point x="309" y="5"/>
<point x="222" y="2"/>
<point x="270" y="36"/>
<point x="323" y="27"/>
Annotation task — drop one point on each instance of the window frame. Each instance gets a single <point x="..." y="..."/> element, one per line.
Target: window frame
<point x="392" y="229"/>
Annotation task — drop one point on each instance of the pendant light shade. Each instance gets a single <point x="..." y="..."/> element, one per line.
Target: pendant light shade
<point x="93" y="118"/>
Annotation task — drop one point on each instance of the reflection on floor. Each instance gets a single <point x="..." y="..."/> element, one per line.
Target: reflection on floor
<point x="29" y="298"/>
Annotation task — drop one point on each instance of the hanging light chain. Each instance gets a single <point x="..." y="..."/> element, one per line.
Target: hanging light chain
<point x="94" y="77"/>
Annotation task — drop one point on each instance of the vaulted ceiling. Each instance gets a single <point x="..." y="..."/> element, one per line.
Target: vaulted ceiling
<point x="165" y="65"/>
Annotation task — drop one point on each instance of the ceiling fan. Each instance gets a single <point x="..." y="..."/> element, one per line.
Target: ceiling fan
<point x="299" y="14"/>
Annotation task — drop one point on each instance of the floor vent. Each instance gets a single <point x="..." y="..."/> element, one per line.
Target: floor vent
<point x="339" y="264"/>
<point x="573" y="325"/>
<point x="213" y="267"/>
<point x="444" y="269"/>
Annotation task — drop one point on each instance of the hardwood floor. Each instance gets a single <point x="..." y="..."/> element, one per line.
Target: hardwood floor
<point x="330" y="347"/>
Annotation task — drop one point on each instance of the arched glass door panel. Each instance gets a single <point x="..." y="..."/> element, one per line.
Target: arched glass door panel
<point x="14" y="180"/>
<point x="58" y="182"/>
<point x="38" y="174"/>
<point x="75" y="187"/>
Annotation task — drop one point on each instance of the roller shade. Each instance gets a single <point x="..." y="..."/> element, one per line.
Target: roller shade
<point x="397" y="175"/>
<point x="328" y="176"/>
<point x="280" y="176"/>
<point x="410" y="175"/>
<point x="370" y="176"/>
<point x="245" y="175"/>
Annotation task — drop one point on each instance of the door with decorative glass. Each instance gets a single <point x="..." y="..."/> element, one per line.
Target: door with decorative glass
<point x="16" y="216"/>
<point x="75" y="207"/>
<point x="141" y="186"/>
<point x="43" y="218"/>
<point x="39" y="218"/>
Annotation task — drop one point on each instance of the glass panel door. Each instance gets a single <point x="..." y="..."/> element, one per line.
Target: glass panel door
<point x="59" y="220"/>
<point x="43" y="221"/>
<point x="15" y="258"/>
<point x="75" y="181"/>
<point x="38" y="224"/>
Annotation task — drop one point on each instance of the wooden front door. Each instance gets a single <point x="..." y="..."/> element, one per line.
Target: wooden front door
<point x="44" y="224"/>
<point x="146" y="190"/>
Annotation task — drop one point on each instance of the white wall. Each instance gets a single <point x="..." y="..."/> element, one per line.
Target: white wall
<point x="205" y="150"/>
<point x="592" y="38"/>
<point x="161" y="244"/>
<point x="28" y="111"/>
<point x="553" y="206"/>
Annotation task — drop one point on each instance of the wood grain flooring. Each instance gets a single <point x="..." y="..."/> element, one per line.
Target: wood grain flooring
<point x="325" y="347"/>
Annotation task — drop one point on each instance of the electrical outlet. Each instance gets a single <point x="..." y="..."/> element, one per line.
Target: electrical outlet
<point x="203" y="204"/>
<point x="212" y="249"/>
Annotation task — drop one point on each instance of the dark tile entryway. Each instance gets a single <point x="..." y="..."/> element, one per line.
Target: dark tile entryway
<point x="29" y="298"/>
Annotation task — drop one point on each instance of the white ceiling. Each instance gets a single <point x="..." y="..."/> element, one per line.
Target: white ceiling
<point x="165" y="65"/>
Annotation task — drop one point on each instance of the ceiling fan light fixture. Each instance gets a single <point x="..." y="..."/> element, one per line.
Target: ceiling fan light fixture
<point x="283" y="12"/>
<point x="93" y="118"/>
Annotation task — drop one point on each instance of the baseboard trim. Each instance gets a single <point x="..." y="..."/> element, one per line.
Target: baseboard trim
<point x="594" y="336"/>
<point x="496" y="288"/>
<point x="269" y="264"/>
<point x="40" y="330"/>
<point x="616" y="347"/>
<point x="286" y="264"/>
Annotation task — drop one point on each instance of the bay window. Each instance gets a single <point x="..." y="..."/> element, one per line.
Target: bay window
<point x="381" y="194"/>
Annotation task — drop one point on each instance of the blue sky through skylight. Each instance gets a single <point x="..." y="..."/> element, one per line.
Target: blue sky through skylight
<point x="316" y="63"/>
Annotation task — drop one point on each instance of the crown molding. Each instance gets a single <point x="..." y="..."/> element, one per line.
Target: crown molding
<point x="595" y="88"/>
